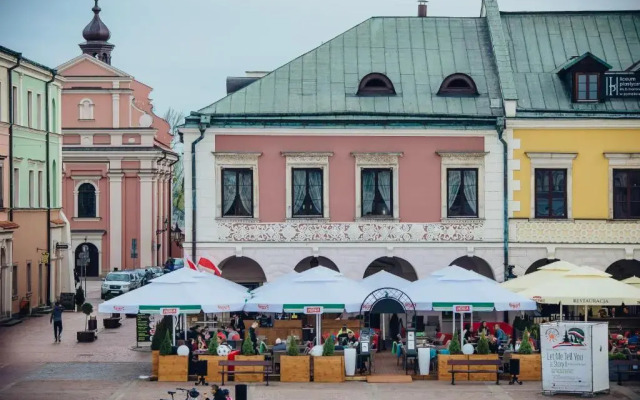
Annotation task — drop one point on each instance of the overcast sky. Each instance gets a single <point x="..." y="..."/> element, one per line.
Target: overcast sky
<point x="185" y="49"/>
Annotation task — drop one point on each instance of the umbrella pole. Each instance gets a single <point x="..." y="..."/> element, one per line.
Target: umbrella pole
<point x="384" y="328"/>
<point x="173" y="323"/>
<point x="185" y="326"/>
<point x="585" y="312"/>
<point x="560" y="311"/>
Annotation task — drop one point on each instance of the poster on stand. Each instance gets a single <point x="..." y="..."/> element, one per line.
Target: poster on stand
<point x="567" y="352"/>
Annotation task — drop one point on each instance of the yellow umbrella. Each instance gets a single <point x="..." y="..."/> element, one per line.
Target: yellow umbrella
<point x="583" y="286"/>
<point x="542" y="275"/>
<point x="633" y="281"/>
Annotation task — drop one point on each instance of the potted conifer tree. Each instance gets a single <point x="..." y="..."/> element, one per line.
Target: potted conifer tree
<point x="86" y="336"/>
<point x="530" y="362"/>
<point x="483" y="353"/>
<point x="249" y="354"/>
<point x="294" y="367"/>
<point x="171" y="367"/>
<point x="328" y="367"/>
<point x="212" y="358"/>
<point x="454" y="353"/>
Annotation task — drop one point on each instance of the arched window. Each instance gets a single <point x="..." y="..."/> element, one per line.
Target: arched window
<point x="85" y="109"/>
<point x="458" y="85"/>
<point x="86" y="201"/>
<point x="376" y="84"/>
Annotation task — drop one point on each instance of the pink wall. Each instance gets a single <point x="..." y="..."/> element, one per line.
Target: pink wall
<point x="86" y="68"/>
<point x="4" y="151"/>
<point x="419" y="170"/>
<point x="102" y="110"/>
<point x="131" y="212"/>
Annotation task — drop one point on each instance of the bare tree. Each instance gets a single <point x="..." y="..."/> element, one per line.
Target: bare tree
<point x="175" y="118"/>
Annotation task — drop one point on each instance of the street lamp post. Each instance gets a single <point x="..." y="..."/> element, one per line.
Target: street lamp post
<point x="165" y="225"/>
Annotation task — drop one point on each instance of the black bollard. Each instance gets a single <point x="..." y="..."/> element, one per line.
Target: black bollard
<point x="241" y="392"/>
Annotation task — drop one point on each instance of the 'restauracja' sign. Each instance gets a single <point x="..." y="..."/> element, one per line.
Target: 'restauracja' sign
<point x="618" y="85"/>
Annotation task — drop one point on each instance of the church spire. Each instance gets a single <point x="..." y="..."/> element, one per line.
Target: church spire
<point x="97" y="35"/>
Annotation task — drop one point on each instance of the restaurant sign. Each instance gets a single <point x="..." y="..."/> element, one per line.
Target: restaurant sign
<point x="170" y="311"/>
<point x="313" y="310"/>
<point x="463" y="309"/>
<point x="143" y="328"/>
<point x="619" y="85"/>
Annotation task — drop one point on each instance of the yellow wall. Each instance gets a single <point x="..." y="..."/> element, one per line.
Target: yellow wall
<point x="590" y="168"/>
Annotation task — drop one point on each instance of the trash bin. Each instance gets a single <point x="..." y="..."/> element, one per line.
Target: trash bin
<point x="241" y="392"/>
<point x="93" y="324"/>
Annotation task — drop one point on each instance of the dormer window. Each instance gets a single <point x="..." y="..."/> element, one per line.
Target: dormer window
<point x="587" y="85"/>
<point x="376" y="84"/>
<point x="458" y="85"/>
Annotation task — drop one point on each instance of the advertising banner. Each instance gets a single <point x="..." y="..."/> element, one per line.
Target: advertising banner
<point x="566" y="357"/>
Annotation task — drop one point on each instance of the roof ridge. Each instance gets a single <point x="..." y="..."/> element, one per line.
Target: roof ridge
<point x="585" y="12"/>
<point x="500" y="51"/>
<point x="244" y="89"/>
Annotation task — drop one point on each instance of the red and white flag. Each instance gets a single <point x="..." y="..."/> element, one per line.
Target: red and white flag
<point x="190" y="263"/>
<point x="208" y="265"/>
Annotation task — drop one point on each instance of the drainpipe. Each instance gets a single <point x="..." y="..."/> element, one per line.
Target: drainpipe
<point x="11" y="123"/>
<point x="202" y="126"/>
<point x="170" y="197"/>
<point x="47" y="163"/>
<point x="500" y="123"/>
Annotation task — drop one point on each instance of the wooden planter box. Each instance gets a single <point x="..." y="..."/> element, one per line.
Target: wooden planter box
<point x="530" y="366"/>
<point x="259" y="377"/>
<point x="444" y="368"/>
<point x="173" y="368"/>
<point x="154" y="362"/>
<point x="328" y="369"/>
<point x="482" y="377"/>
<point x="213" y="368"/>
<point x="85" y="336"/>
<point x="295" y="368"/>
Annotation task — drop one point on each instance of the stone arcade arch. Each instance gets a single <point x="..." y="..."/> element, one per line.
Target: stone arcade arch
<point x="392" y="265"/>
<point x="475" y="264"/>
<point x="312" y="262"/>
<point x="243" y="270"/>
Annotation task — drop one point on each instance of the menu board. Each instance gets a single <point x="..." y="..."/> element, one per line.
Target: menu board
<point x="143" y="328"/>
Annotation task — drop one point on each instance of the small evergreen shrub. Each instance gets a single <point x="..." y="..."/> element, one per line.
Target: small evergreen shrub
<point x="483" y="345"/>
<point x="213" y="345"/>
<point x="165" y="346"/>
<point x="329" y="346"/>
<point x="292" y="346"/>
<point x="87" y="309"/>
<point x="158" y="335"/>
<point x="454" y="346"/>
<point x="525" y="345"/>
<point x="247" y="346"/>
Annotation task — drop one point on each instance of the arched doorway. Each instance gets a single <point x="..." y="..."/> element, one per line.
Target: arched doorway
<point x="243" y="270"/>
<point x="392" y="265"/>
<point x="312" y="262"/>
<point x="475" y="264"/>
<point x="87" y="251"/>
<point x="623" y="269"/>
<point x="540" y="263"/>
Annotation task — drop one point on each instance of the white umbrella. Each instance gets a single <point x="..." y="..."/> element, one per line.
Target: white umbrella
<point x="189" y="275"/>
<point x="383" y="279"/>
<point x="279" y="280"/>
<point x="633" y="281"/>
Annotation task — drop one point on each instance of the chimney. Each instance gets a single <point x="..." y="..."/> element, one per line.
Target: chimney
<point x="422" y="8"/>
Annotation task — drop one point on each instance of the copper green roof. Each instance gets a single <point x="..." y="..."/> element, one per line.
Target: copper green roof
<point x="415" y="53"/>
<point x="540" y="43"/>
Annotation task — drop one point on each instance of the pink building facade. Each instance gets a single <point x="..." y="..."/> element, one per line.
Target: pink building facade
<point x="117" y="162"/>
<point x="378" y="150"/>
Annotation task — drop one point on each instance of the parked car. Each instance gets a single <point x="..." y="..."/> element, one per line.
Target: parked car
<point x="174" y="263"/>
<point x="142" y="276"/>
<point x="157" y="271"/>
<point x="118" y="283"/>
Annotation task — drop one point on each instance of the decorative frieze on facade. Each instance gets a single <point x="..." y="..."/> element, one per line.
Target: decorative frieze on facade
<point x="605" y="232"/>
<point x="349" y="232"/>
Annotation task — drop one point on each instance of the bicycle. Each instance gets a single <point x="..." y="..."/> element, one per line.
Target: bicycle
<point x="190" y="394"/>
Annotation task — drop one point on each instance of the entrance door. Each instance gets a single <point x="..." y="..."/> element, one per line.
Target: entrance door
<point x="87" y="251"/>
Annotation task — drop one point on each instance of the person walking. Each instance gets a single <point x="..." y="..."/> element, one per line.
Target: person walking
<point x="56" y="319"/>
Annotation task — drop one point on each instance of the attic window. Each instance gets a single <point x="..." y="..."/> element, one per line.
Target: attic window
<point x="458" y="85"/>
<point x="587" y="86"/>
<point x="376" y="84"/>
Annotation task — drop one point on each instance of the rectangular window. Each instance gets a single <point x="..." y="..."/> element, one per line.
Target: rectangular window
<point x="462" y="192"/>
<point x="28" y="277"/>
<point x="40" y="190"/>
<point x="626" y="193"/>
<point x="15" y="106"/>
<point x="14" y="281"/>
<point x="1" y="184"/>
<point x="16" y="187"/>
<point x="237" y="192"/>
<point x="307" y="192"/>
<point x="32" y="201"/>
<point x="587" y="86"/>
<point x="377" y="192"/>
<point x="30" y="109"/>
<point x="551" y="193"/>
<point x="38" y="123"/>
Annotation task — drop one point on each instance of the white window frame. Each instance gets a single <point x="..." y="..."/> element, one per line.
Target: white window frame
<point x="247" y="160"/>
<point x="15" y="91"/>
<point x="85" y="109"/>
<point x="295" y="160"/>
<point x="32" y="188"/>
<point x="551" y="161"/>
<point x="452" y="160"/>
<point x="29" y="108"/>
<point x="40" y="181"/>
<point x="94" y="180"/>
<point x="620" y="161"/>
<point x="16" y="187"/>
<point x="38" y="124"/>
<point x="378" y="160"/>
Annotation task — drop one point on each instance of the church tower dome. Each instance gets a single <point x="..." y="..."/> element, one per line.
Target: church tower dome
<point x="97" y="35"/>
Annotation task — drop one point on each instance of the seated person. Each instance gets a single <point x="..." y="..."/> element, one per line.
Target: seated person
<point x="222" y="336"/>
<point x="202" y="344"/>
<point x="280" y="345"/>
<point x="232" y="334"/>
<point x="467" y="335"/>
<point x="351" y="340"/>
<point x="500" y="335"/>
<point x="343" y="334"/>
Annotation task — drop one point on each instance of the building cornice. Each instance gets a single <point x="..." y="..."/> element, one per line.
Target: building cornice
<point x="343" y="132"/>
<point x="572" y="123"/>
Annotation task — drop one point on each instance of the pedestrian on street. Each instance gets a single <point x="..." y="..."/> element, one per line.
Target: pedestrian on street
<point x="56" y="318"/>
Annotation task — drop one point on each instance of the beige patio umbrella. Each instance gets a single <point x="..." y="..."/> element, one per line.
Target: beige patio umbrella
<point x="583" y="286"/>
<point x="542" y="275"/>
<point x="633" y="281"/>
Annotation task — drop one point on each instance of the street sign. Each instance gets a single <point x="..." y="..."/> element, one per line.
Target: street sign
<point x="462" y="309"/>
<point x="134" y="248"/>
<point x="62" y="246"/>
<point x="313" y="310"/>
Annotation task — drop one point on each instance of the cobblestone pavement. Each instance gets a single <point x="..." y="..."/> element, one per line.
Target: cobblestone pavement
<point x="32" y="366"/>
